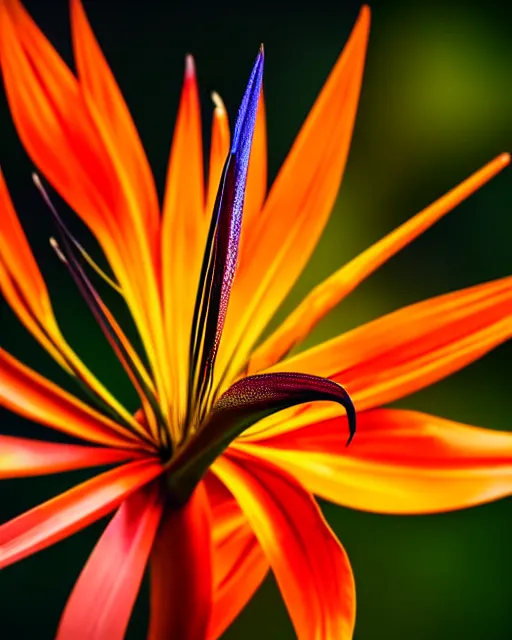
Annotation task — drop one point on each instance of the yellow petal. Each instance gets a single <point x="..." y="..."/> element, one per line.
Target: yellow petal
<point x="298" y="205"/>
<point x="330" y="292"/>
<point x="400" y="462"/>
<point x="413" y="347"/>
<point x="184" y="228"/>
<point x="219" y="150"/>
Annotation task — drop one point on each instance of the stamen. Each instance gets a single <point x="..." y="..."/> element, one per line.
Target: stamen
<point x="99" y="310"/>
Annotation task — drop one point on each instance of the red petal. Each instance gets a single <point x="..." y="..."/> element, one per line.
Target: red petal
<point x="310" y="566"/>
<point x="32" y="396"/>
<point x="21" y="457"/>
<point x="239" y="564"/>
<point x="181" y="578"/>
<point x="103" y="597"/>
<point x="71" y="511"/>
<point x="413" y="347"/>
<point x="400" y="462"/>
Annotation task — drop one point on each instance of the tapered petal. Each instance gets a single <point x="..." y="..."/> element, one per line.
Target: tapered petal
<point x="24" y="289"/>
<point x="219" y="150"/>
<point x="400" y="462"/>
<point x="73" y="510"/>
<point x="239" y="564"/>
<point x="298" y="205"/>
<point x="181" y="574"/>
<point x="311" y="567"/>
<point x="102" y="600"/>
<point x="24" y="391"/>
<point x="66" y="137"/>
<point x="21" y="457"/>
<point x="98" y="82"/>
<point x="413" y="347"/>
<point x="332" y="290"/>
<point x="184" y="229"/>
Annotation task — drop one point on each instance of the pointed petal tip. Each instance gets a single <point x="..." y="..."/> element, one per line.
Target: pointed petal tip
<point x="504" y="159"/>
<point x="218" y="102"/>
<point x="190" y="67"/>
<point x="365" y="13"/>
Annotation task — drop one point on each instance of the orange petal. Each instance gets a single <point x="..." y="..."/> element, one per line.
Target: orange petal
<point x="24" y="391"/>
<point x="73" y="510"/>
<point x="19" y="260"/>
<point x="184" y="228"/>
<point x="97" y="80"/>
<point x="413" y="347"/>
<point x="180" y="576"/>
<point x="219" y="150"/>
<point x="23" y="286"/>
<point x="298" y="205"/>
<point x="102" y="600"/>
<point x="330" y="292"/>
<point x="21" y="457"/>
<point x="65" y="135"/>
<point x="239" y="564"/>
<point x="311" y="567"/>
<point x="400" y="462"/>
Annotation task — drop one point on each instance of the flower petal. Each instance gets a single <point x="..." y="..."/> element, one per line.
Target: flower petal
<point x="311" y="567"/>
<point x="102" y="599"/>
<point x="332" y="290"/>
<point x="298" y="205"/>
<point x="97" y="80"/>
<point x="65" y="135"/>
<point x="239" y="564"/>
<point x="401" y="462"/>
<point x="184" y="230"/>
<point x="24" y="391"/>
<point x="24" y="288"/>
<point x="180" y="577"/>
<point x="413" y="347"/>
<point x="22" y="457"/>
<point x="219" y="150"/>
<point x="73" y="510"/>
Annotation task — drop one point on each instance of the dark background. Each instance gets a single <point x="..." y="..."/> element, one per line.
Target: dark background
<point x="436" y="105"/>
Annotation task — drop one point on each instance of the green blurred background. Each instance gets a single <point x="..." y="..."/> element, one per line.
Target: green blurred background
<point x="436" y="105"/>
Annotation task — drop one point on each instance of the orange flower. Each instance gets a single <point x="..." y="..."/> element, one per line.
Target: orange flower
<point x="214" y="475"/>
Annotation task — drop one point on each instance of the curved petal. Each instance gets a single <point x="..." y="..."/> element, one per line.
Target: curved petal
<point x="102" y="599"/>
<point x="180" y="576"/>
<point x="311" y="567"/>
<point x="184" y="229"/>
<point x="73" y="510"/>
<point x="97" y="80"/>
<point x="26" y="392"/>
<point x="65" y="135"/>
<point x="401" y="462"/>
<point x="239" y="564"/>
<point x="24" y="289"/>
<point x="332" y="290"/>
<point x="413" y="347"/>
<point x="22" y="457"/>
<point x="298" y="205"/>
